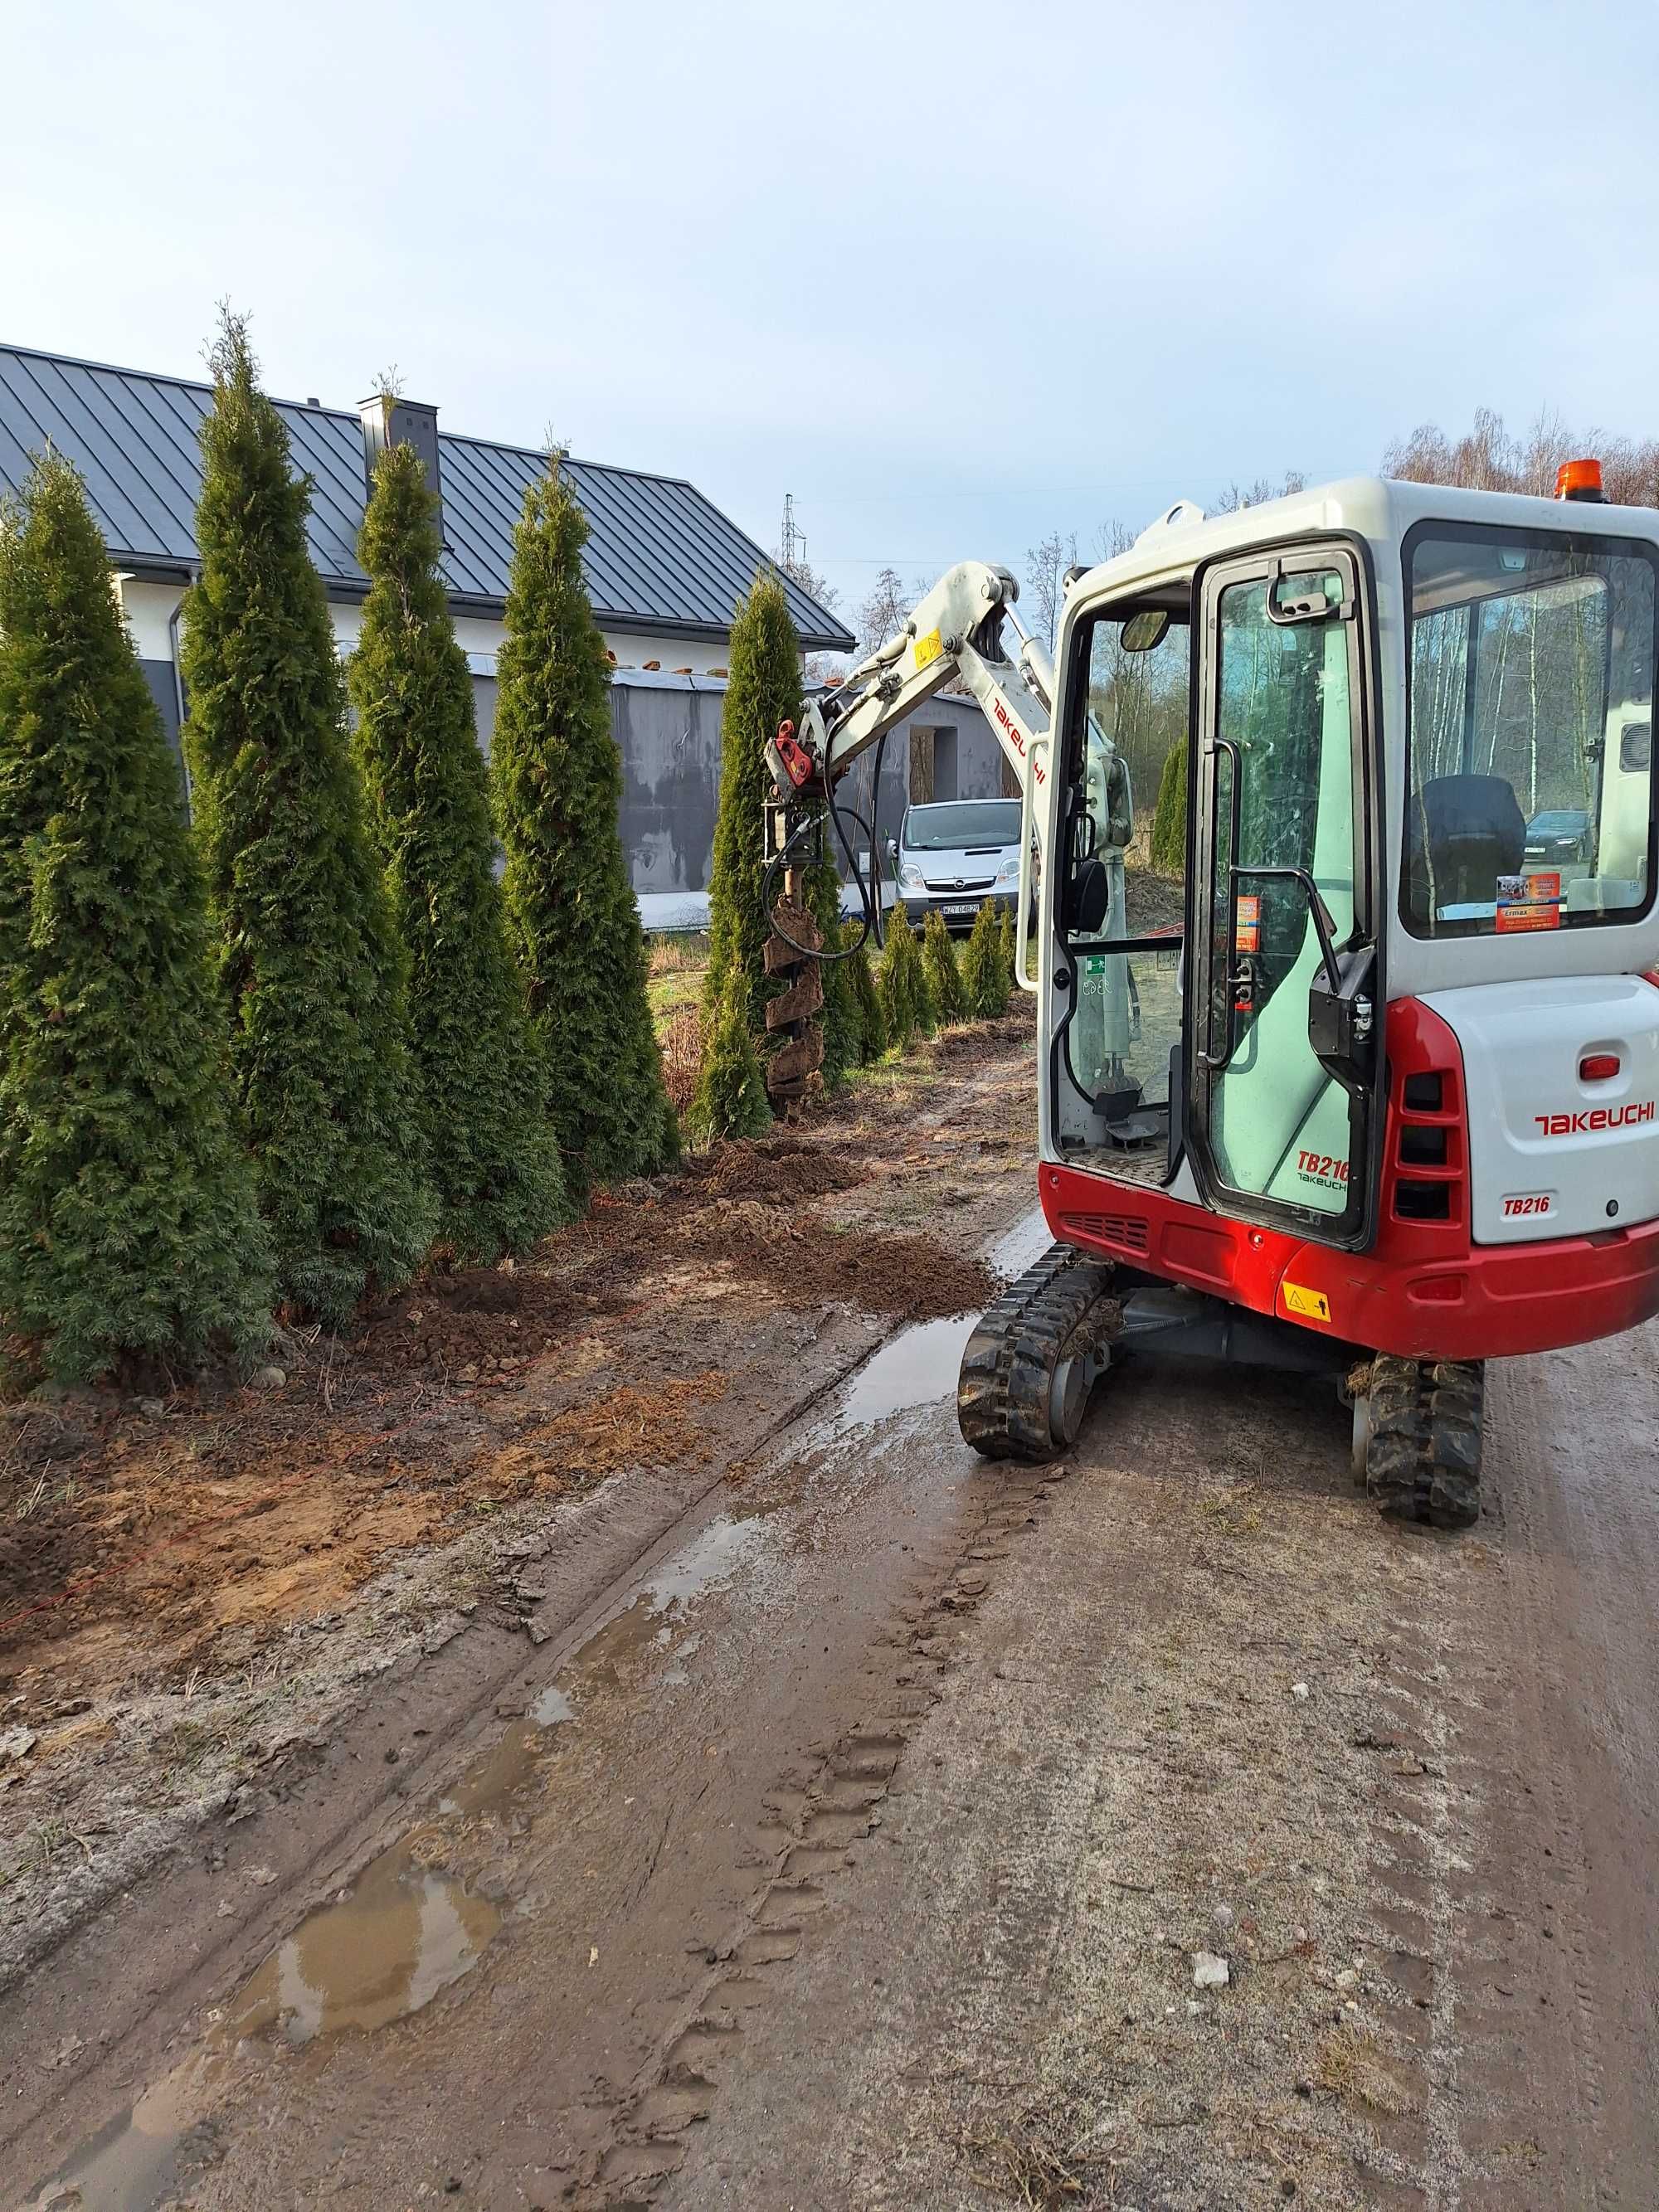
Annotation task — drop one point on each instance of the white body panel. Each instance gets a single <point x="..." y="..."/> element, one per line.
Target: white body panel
<point x="1551" y="1155"/>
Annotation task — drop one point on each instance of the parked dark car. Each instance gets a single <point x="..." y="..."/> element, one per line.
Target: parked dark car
<point x="1559" y="833"/>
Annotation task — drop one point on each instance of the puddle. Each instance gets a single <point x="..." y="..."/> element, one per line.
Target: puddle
<point x="408" y="1928"/>
<point x="918" y="1368"/>
<point x="610" y="1651"/>
<point x="710" y="1558"/>
<point x="377" y="1955"/>
<point x="133" y="2161"/>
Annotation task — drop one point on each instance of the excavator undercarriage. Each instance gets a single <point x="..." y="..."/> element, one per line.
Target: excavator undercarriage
<point x="1034" y="1358"/>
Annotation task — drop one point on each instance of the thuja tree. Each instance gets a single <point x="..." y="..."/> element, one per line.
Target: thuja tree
<point x="764" y="690"/>
<point x="492" y="1153"/>
<point x="1008" y="939"/>
<point x="1169" y="840"/>
<point x="984" y="978"/>
<point x="903" y="985"/>
<point x="943" y="977"/>
<point x="573" y="922"/>
<point x="309" y="964"/>
<point x="730" y="1099"/>
<point x="866" y="998"/>
<point x="129" y="1231"/>
<point x="842" y="1022"/>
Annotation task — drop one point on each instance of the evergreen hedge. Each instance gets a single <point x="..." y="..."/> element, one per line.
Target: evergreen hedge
<point x="573" y="920"/>
<point x="129" y="1231"/>
<point x="492" y="1153"/>
<point x="311" y="974"/>
<point x="943" y="976"/>
<point x="985" y="979"/>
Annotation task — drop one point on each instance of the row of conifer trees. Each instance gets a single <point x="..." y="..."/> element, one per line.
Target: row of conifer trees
<point x="869" y="1008"/>
<point x="276" y="1054"/>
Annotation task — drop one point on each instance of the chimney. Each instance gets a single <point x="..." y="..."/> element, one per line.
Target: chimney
<point x="389" y="422"/>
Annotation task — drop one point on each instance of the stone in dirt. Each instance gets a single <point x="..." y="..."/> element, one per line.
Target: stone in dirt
<point x="1210" y="1970"/>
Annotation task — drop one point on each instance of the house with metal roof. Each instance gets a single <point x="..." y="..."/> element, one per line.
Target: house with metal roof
<point x="664" y="569"/>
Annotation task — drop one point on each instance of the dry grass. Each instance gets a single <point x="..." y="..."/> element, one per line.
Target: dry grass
<point x="1234" y="1510"/>
<point x="682" y="953"/>
<point x="681" y="1040"/>
<point x="1040" y="2158"/>
<point x="1353" y="2067"/>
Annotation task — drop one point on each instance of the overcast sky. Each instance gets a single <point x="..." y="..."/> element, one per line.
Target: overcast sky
<point x="954" y="275"/>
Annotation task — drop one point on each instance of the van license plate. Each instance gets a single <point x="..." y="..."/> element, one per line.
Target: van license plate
<point x="952" y="910"/>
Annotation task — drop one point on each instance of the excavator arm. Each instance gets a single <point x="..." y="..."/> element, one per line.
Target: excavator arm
<point x="954" y="634"/>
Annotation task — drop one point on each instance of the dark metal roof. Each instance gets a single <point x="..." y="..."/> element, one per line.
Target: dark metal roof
<point x="659" y="556"/>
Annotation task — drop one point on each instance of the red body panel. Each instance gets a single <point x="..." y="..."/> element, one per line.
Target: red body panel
<point x="1423" y="1291"/>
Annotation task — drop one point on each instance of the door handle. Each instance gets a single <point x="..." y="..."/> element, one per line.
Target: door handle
<point x="1209" y="1058"/>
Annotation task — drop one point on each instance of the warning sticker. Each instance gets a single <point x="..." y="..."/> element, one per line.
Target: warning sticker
<point x="1313" y="1303"/>
<point x="1246" y="923"/>
<point x="1529" y="901"/>
<point x="928" y="648"/>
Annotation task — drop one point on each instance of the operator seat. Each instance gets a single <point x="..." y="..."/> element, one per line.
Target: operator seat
<point x="1463" y="833"/>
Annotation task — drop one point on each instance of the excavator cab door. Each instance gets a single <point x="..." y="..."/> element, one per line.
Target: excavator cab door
<point x="1283" y="1042"/>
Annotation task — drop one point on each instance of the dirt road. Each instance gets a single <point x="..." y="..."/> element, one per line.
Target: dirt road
<point x="855" y="1845"/>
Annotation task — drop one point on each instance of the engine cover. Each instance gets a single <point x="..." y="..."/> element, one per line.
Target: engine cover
<point x="1552" y="1153"/>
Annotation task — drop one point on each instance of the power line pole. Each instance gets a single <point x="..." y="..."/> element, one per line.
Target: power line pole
<point x="793" y="548"/>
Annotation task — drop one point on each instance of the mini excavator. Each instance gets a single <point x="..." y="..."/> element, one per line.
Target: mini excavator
<point x="1383" y="1107"/>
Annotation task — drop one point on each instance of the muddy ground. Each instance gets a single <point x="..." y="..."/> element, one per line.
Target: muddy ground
<point x="833" y="1821"/>
<point x="195" y="1589"/>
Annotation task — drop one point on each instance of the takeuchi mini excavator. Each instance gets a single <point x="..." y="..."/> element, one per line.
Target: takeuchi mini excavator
<point x="1383" y="1105"/>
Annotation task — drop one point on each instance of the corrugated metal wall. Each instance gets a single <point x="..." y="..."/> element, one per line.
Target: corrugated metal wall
<point x="668" y="731"/>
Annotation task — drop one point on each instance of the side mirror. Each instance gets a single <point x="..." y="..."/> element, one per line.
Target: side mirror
<point x="892" y="851"/>
<point x="1088" y="899"/>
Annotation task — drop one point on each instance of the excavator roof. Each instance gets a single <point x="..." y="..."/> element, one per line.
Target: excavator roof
<point x="1379" y="509"/>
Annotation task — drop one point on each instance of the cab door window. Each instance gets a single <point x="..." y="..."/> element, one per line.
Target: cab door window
<point x="1280" y="800"/>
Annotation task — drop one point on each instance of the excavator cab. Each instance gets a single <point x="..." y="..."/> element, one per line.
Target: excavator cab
<point x="1347" y="952"/>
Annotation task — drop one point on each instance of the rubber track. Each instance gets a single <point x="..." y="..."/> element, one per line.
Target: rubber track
<point x="1009" y="1366"/>
<point x="1423" y="1462"/>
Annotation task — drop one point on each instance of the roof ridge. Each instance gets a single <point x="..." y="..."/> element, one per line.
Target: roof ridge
<point x="344" y="414"/>
<point x="676" y="563"/>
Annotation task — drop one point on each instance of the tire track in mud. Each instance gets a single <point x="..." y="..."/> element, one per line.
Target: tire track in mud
<point x="819" y="1809"/>
<point x="1513" y="1965"/>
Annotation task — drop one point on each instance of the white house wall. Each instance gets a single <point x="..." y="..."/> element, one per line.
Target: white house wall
<point x="149" y="608"/>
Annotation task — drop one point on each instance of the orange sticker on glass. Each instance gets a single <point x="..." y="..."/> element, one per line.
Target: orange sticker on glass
<point x="1529" y="901"/>
<point x="1247" y="923"/>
